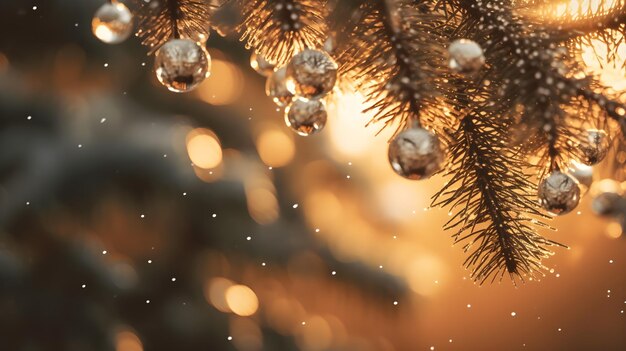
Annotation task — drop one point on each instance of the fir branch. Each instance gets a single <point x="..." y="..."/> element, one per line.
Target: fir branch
<point x="279" y="29"/>
<point x="160" y="21"/>
<point x="537" y="82"/>
<point x="494" y="202"/>
<point x="615" y="110"/>
<point x="395" y="55"/>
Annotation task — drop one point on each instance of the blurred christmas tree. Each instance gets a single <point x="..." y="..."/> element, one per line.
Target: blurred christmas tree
<point x="134" y="218"/>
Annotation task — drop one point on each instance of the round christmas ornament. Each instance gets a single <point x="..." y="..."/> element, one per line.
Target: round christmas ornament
<point x="260" y="65"/>
<point x="466" y="56"/>
<point x="594" y="147"/>
<point x="181" y="64"/>
<point x="112" y="23"/>
<point x="276" y="87"/>
<point x="311" y="74"/>
<point x="559" y="193"/>
<point x="416" y="154"/>
<point x="306" y="116"/>
<point x="607" y="204"/>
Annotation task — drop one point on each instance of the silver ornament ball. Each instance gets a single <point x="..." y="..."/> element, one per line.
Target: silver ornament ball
<point x="181" y="64"/>
<point x="306" y="116"/>
<point x="311" y="74"/>
<point x="260" y="65"/>
<point x="466" y="56"/>
<point x="607" y="204"/>
<point x="416" y="154"/>
<point x="112" y="23"/>
<point x="559" y="193"/>
<point x="276" y="87"/>
<point x="595" y="146"/>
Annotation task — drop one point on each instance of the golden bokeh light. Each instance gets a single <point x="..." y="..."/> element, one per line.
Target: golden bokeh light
<point x="424" y="274"/>
<point x="276" y="147"/>
<point x="225" y="84"/>
<point x="283" y="314"/>
<point x="316" y="336"/>
<point x="204" y="148"/>
<point x="262" y="205"/>
<point x="605" y="186"/>
<point x="126" y="340"/>
<point x="614" y="230"/>
<point x="242" y="300"/>
<point x="215" y="293"/>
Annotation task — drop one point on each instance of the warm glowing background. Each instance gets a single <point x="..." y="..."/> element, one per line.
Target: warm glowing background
<point x="340" y="183"/>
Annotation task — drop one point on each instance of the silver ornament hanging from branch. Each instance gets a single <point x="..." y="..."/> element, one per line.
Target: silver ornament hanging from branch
<point x="311" y="74"/>
<point x="609" y="204"/>
<point x="306" y="116"/>
<point x="276" y="87"/>
<point x="594" y="147"/>
<point x="112" y="23"/>
<point x="261" y="65"/>
<point x="466" y="56"/>
<point x="558" y="193"/>
<point x="181" y="64"/>
<point x="416" y="153"/>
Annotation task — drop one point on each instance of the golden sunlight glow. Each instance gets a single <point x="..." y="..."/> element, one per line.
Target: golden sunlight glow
<point x="242" y="300"/>
<point x="224" y="86"/>
<point x="574" y="9"/>
<point x="204" y="148"/>
<point x="595" y="58"/>
<point x="347" y="132"/>
<point x="276" y="147"/>
<point x="126" y="340"/>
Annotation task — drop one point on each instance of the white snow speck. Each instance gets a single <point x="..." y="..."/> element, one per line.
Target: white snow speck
<point x="295" y="206"/>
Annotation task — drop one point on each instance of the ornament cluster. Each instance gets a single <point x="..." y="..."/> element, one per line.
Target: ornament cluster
<point x="180" y="64"/>
<point x="300" y="87"/>
<point x="559" y="193"/>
